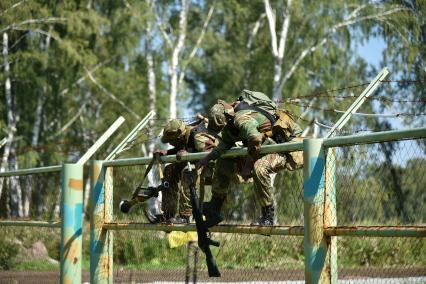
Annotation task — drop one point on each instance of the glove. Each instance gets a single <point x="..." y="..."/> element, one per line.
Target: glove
<point x="254" y="147"/>
<point x="180" y="153"/>
<point x="159" y="153"/>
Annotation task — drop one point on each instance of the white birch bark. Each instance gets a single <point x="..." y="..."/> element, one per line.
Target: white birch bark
<point x="152" y="90"/>
<point x="278" y="48"/>
<point x="351" y="19"/>
<point x="9" y="155"/>
<point x="176" y="53"/>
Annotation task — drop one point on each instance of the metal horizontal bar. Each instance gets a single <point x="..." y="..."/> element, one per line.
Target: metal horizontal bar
<point x="383" y="136"/>
<point x="288" y="147"/>
<point x="232" y="153"/>
<point x="31" y="171"/>
<point x="239" y="229"/>
<point x="377" y="231"/>
<point x="53" y="224"/>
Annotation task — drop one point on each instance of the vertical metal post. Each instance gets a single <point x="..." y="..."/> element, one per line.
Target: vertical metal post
<point x="101" y="240"/>
<point x="72" y="216"/>
<point x="330" y="213"/>
<point x="315" y="243"/>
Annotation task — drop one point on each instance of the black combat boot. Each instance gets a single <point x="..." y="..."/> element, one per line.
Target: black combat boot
<point x="212" y="211"/>
<point x="181" y="219"/>
<point x="267" y="218"/>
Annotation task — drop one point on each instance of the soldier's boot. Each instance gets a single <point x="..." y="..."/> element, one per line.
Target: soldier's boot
<point x="212" y="211"/>
<point x="181" y="219"/>
<point x="267" y="218"/>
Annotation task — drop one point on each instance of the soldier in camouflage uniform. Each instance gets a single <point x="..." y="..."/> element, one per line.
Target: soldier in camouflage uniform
<point x="184" y="138"/>
<point x="250" y="127"/>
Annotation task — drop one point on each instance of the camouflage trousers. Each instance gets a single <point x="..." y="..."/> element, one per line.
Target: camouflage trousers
<point x="173" y="199"/>
<point x="176" y="200"/>
<point x="262" y="169"/>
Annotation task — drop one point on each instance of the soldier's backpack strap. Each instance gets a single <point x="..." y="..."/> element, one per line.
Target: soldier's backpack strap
<point x="243" y="105"/>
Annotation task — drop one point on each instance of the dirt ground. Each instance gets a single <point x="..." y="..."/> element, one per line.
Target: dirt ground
<point x="234" y="275"/>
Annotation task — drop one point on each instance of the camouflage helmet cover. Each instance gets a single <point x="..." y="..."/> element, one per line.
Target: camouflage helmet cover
<point x="218" y="113"/>
<point x="173" y="131"/>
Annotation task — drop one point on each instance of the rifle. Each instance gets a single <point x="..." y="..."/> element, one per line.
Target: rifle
<point x="141" y="193"/>
<point x="204" y="240"/>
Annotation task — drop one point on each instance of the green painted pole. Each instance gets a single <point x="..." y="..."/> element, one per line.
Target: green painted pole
<point x="72" y="217"/>
<point x="32" y="171"/>
<point x="315" y="243"/>
<point x="330" y="213"/>
<point x="101" y="239"/>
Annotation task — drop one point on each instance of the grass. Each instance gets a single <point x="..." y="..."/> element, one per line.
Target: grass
<point x="150" y="251"/>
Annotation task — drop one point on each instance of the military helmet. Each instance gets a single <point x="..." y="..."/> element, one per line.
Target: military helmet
<point x="218" y="115"/>
<point x="173" y="131"/>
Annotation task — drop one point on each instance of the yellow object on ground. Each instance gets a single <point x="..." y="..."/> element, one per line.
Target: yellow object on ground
<point x="177" y="238"/>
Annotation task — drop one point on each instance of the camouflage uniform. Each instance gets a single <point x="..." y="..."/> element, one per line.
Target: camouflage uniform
<point x="249" y="126"/>
<point x="191" y="139"/>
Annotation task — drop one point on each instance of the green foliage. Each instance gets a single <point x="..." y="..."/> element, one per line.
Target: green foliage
<point x="8" y="252"/>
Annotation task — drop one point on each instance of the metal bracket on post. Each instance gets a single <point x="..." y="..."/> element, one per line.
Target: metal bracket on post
<point x="131" y="136"/>
<point x="359" y="101"/>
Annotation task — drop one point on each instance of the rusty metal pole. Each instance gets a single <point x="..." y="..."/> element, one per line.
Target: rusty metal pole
<point x="315" y="242"/>
<point x="101" y="239"/>
<point x="330" y="213"/>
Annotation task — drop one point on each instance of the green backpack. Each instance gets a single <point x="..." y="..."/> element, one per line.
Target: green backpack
<point x="284" y="126"/>
<point x="260" y="100"/>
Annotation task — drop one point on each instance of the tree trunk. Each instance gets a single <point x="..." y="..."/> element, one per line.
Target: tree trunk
<point x="9" y="155"/>
<point x="152" y="90"/>
<point x="173" y="68"/>
<point x="278" y="49"/>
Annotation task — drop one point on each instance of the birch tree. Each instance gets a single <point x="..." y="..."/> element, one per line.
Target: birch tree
<point x="175" y="42"/>
<point x="355" y="14"/>
<point x="9" y="160"/>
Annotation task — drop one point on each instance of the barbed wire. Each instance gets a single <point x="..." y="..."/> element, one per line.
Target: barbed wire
<point x="325" y="93"/>
<point x="294" y="101"/>
<point x="362" y="114"/>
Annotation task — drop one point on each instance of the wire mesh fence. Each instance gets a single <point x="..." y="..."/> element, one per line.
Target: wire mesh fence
<point x="382" y="260"/>
<point x="381" y="184"/>
<point x="30" y="223"/>
<point x="31" y="197"/>
<point x="242" y="257"/>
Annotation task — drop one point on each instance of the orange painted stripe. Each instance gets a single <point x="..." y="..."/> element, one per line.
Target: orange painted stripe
<point x="76" y="184"/>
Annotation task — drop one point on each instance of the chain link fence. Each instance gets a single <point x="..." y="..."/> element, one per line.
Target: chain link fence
<point x="30" y="224"/>
<point x="381" y="184"/>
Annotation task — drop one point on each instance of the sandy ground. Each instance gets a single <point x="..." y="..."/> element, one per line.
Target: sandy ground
<point x="255" y="275"/>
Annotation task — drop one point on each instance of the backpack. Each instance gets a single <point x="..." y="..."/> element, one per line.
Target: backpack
<point x="284" y="127"/>
<point x="283" y="124"/>
<point x="258" y="99"/>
